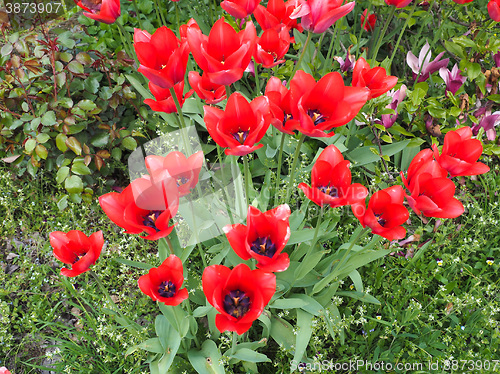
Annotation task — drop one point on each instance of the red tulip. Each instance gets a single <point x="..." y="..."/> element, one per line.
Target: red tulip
<point x="209" y="92"/>
<point x="462" y="1"/>
<point x="224" y="54"/>
<point x="164" y="283"/>
<point x="494" y="10"/>
<point x="398" y="3"/>
<point x="263" y="238"/>
<point x="272" y="46"/>
<point x="143" y="207"/>
<point x="105" y="11"/>
<point x="370" y="22"/>
<point x="385" y="214"/>
<point x="325" y="104"/>
<point x="163" y="58"/>
<point x="376" y="79"/>
<point x="280" y="105"/>
<point x="277" y="12"/>
<point x="460" y="153"/>
<point x="241" y="125"/>
<point x="76" y="249"/>
<point x="239" y="8"/>
<point x="184" y="171"/>
<point x="164" y="102"/>
<point x="3" y="370"/>
<point x="422" y="163"/>
<point x="331" y="181"/>
<point x="318" y="15"/>
<point x="239" y="295"/>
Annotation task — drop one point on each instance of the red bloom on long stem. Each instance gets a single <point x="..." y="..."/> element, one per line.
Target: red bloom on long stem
<point x="241" y="125"/>
<point x="239" y="8"/>
<point x="369" y="24"/>
<point x="398" y="3"/>
<point x="376" y="79"/>
<point x="280" y="104"/>
<point x="318" y="15"/>
<point x="331" y="181"/>
<point x="164" y="283"/>
<point x="210" y="92"/>
<point x="385" y="213"/>
<point x="422" y="163"/>
<point x="105" y="11"/>
<point x="164" y="102"/>
<point x="494" y="10"/>
<point x="74" y="248"/>
<point x="325" y="104"/>
<point x="224" y="54"/>
<point x="262" y="238"/>
<point x="276" y="13"/>
<point x="143" y="207"/>
<point x="162" y="56"/>
<point x="184" y="170"/>
<point x="272" y="46"/>
<point x="239" y="295"/>
<point x="460" y="153"/>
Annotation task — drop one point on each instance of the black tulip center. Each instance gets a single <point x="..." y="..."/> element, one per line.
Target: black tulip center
<point x="380" y="220"/>
<point x="150" y="219"/>
<point x="236" y="303"/>
<point x="240" y="136"/>
<point x="182" y="180"/>
<point x="166" y="289"/>
<point x="264" y="247"/>
<point x="316" y="116"/>
<point x="330" y="190"/>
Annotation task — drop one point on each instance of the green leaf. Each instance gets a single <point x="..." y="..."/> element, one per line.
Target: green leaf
<point x="245" y="354"/>
<point x="304" y="326"/>
<point x="87" y="105"/>
<point x="62" y="173"/>
<point x="41" y="151"/>
<point x="100" y="140"/>
<point x="473" y="70"/>
<point x="80" y="168"/>
<point x="282" y="332"/>
<point x="309" y="262"/>
<point x="364" y="297"/>
<point x="61" y="142"/>
<point x="6" y="49"/>
<point x="356" y="279"/>
<point x="201" y="311"/>
<point x="129" y="143"/>
<point x="74" y="184"/>
<point x="177" y="317"/>
<point x="290" y="303"/>
<point x="66" y="40"/>
<point x="30" y="145"/>
<point x="74" y="145"/>
<point x="312" y="306"/>
<point x="150" y="345"/>
<point x="135" y="264"/>
<point x="91" y="84"/>
<point x="49" y="118"/>
<point x="63" y="202"/>
<point x="207" y="360"/>
<point x="75" y="67"/>
<point x="116" y="153"/>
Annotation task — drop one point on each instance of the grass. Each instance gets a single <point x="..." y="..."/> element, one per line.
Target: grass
<point x="430" y="310"/>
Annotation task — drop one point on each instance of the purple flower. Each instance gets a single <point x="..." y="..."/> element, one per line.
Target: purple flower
<point x="348" y="64"/>
<point x="452" y="79"/>
<point x="496" y="58"/>
<point x="488" y="123"/>
<point x="423" y="65"/>
<point x="397" y="97"/>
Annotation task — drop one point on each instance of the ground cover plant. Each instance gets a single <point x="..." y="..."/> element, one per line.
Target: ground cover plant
<point x="250" y="187"/>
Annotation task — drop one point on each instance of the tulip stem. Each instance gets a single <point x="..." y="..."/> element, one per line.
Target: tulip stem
<point x="159" y="13"/>
<point x="257" y="83"/>
<point x="129" y="49"/>
<point x="301" y="57"/>
<point x="191" y="326"/>
<point x="382" y="34"/>
<point x="401" y="35"/>
<point x="278" y="170"/>
<point x="361" y="233"/>
<point x="170" y="246"/>
<point x="235" y="342"/>
<point x="228" y="92"/>
<point x="362" y="28"/>
<point x="247" y="178"/>
<point x="223" y="185"/>
<point x="137" y="14"/>
<point x="294" y="165"/>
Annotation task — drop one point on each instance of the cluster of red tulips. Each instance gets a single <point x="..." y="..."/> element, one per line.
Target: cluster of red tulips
<point x="313" y="108"/>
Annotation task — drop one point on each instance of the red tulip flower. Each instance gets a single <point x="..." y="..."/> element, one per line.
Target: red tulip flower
<point x="210" y="92"/>
<point x="105" y="11"/>
<point x="164" y="283"/>
<point x="184" y="171"/>
<point x="239" y="9"/>
<point x="164" y="102"/>
<point x="369" y="24"/>
<point x="422" y="163"/>
<point x="239" y="295"/>
<point x="318" y="15"/>
<point x="494" y="10"/>
<point x="398" y="3"/>
<point x="331" y="181"/>
<point x="4" y="370"/>
<point x="375" y="79"/>
<point x="224" y="54"/>
<point x="271" y="47"/>
<point x="143" y="207"/>
<point x="276" y="13"/>
<point x="74" y="248"/>
<point x="463" y="1"/>
<point x="263" y="238"/>
<point x="280" y="103"/>
<point x="162" y="56"/>
<point x="460" y="153"/>
<point x="326" y="104"/>
<point x="385" y="214"/>
<point x="241" y="125"/>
